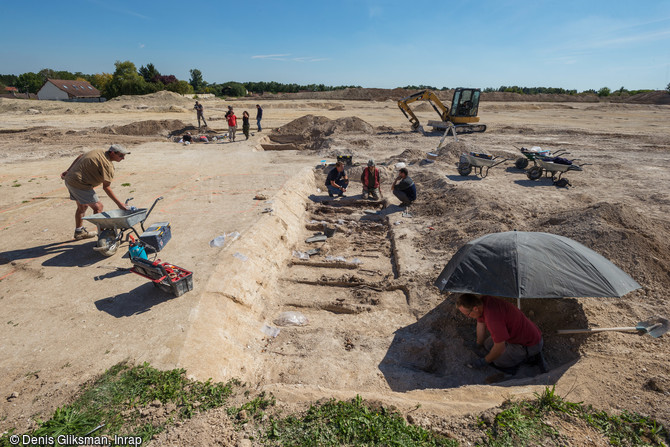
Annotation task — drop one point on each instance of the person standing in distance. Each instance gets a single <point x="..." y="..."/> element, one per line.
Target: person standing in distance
<point x="199" y="110"/>
<point x="245" y="124"/>
<point x="259" y="116"/>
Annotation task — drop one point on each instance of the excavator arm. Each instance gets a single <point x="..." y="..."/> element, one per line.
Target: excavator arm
<point x="424" y="95"/>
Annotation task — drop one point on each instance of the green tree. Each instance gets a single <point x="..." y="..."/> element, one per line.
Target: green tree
<point x="2" y="87"/>
<point x="233" y="89"/>
<point x="605" y="91"/>
<point x="101" y="80"/>
<point x="149" y="72"/>
<point x="196" y="80"/>
<point x="29" y="82"/>
<point x="668" y="88"/>
<point x="9" y="80"/>
<point x="127" y="81"/>
<point x="181" y="87"/>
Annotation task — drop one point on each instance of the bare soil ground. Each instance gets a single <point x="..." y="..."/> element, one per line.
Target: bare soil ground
<point x="377" y="326"/>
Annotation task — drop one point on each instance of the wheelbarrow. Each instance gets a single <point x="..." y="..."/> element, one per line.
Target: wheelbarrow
<point x="551" y="168"/>
<point x="531" y="155"/>
<point x="478" y="162"/>
<point x="115" y="224"/>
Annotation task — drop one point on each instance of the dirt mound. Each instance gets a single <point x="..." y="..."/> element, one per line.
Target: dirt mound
<point x="423" y="107"/>
<point x="621" y="234"/>
<point x="147" y="128"/>
<point x="657" y="97"/>
<point x="317" y="132"/>
<point x="163" y="98"/>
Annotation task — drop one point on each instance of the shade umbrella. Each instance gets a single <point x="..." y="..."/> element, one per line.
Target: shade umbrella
<point x="519" y="264"/>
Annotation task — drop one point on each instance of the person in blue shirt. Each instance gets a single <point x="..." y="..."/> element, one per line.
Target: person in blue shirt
<point x="404" y="188"/>
<point x="337" y="180"/>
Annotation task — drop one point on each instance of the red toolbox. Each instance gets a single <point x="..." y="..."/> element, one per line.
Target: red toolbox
<point x="166" y="276"/>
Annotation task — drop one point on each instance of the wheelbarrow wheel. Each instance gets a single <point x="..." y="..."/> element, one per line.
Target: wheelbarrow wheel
<point x="464" y="169"/>
<point x="521" y="163"/>
<point x="107" y="247"/>
<point x="534" y="173"/>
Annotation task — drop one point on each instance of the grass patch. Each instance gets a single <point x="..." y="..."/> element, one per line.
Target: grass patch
<point x="254" y="409"/>
<point x="142" y="401"/>
<point x="125" y="184"/>
<point x="133" y="401"/>
<point x="522" y="423"/>
<point x="336" y="423"/>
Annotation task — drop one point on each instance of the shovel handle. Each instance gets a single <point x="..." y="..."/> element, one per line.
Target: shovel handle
<point x="597" y="329"/>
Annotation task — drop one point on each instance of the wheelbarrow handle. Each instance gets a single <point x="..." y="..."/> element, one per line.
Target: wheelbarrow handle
<point x="149" y="212"/>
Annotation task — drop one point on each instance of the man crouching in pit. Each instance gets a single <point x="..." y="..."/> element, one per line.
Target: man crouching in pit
<point x="513" y="340"/>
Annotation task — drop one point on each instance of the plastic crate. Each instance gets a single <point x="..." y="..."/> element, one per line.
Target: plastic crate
<point x="167" y="277"/>
<point x="346" y="159"/>
<point x="157" y="236"/>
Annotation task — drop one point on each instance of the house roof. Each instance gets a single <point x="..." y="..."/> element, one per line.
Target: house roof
<point x="11" y="89"/>
<point x="76" y="89"/>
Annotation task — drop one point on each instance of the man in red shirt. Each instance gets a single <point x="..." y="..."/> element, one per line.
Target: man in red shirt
<point x="513" y="340"/>
<point x="232" y="123"/>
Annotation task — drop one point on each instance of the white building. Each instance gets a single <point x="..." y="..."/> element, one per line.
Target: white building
<point x="62" y="90"/>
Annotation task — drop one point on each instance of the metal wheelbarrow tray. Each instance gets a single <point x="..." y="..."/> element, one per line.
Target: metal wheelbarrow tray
<point x="530" y="155"/>
<point x="549" y="167"/>
<point x="478" y="163"/>
<point x="112" y="226"/>
<point x="118" y="219"/>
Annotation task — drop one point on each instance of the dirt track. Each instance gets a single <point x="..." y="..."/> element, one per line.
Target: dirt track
<point x="380" y="329"/>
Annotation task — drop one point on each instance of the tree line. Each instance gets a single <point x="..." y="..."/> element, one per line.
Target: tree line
<point x="128" y="80"/>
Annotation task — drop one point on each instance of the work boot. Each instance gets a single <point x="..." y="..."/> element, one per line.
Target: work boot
<point x="83" y="234"/>
<point x="539" y="361"/>
<point x="365" y="196"/>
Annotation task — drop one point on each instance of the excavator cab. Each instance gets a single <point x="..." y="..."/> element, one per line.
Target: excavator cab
<point x="465" y="102"/>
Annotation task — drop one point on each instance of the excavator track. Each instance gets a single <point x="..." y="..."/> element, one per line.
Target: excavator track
<point x="460" y="128"/>
<point x="470" y="128"/>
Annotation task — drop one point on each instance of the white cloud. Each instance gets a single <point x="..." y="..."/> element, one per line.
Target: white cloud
<point x="112" y="8"/>
<point x="280" y="57"/>
<point x="141" y="45"/>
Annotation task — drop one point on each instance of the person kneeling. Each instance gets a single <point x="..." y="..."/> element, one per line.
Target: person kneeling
<point x="513" y="340"/>
<point x="404" y="188"/>
<point x="337" y="180"/>
<point x="370" y="181"/>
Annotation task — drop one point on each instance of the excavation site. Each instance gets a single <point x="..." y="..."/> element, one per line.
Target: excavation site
<point x="308" y="296"/>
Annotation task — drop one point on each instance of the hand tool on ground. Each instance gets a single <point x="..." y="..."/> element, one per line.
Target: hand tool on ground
<point x="655" y="327"/>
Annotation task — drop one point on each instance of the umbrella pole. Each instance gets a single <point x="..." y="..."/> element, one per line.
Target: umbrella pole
<point x="518" y="303"/>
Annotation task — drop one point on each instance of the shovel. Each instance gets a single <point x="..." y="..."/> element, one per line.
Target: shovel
<point x="655" y="327"/>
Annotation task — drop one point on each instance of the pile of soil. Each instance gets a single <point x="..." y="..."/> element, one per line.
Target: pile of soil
<point x="162" y="98"/>
<point x="620" y="234"/>
<point x="317" y="132"/>
<point x="148" y="128"/>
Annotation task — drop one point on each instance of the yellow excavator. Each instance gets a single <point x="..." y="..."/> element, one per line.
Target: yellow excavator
<point x="462" y="115"/>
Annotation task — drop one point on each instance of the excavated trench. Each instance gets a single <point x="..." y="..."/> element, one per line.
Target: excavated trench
<point x="367" y="330"/>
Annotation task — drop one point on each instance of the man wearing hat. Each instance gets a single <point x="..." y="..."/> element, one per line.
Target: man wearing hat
<point x="86" y="172"/>
<point x="370" y="181"/>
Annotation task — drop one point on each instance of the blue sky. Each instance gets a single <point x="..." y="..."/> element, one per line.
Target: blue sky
<point x="571" y="44"/>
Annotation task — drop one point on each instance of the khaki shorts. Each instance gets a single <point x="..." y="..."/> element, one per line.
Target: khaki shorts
<point x="83" y="196"/>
